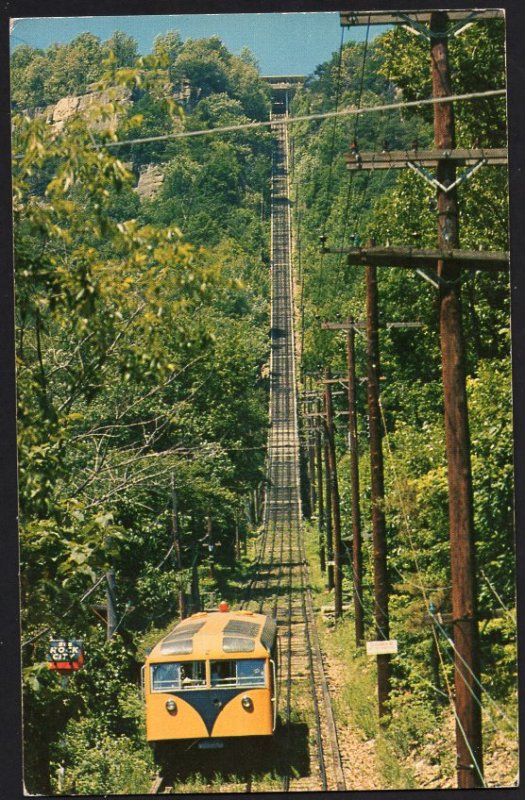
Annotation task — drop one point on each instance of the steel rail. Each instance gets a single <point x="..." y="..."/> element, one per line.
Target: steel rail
<point x="280" y="579"/>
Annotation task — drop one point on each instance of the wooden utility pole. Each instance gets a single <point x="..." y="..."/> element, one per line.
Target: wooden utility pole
<point x="176" y="545"/>
<point x="334" y="492"/>
<point x="378" y="490"/>
<point x="320" y="492"/>
<point x="237" y="539"/>
<point x="357" y="557"/>
<point x="461" y="523"/>
<point x="111" y="604"/>
<point x="310" y="433"/>
<point x="448" y="262"/>
<point x="357" y="568"/>
<point x="210" y="545"/>
<point x="254" y="506"/>
<point x="303" y="469"/>
<point x="195" y="587"/>
<point x="328" y="507"/>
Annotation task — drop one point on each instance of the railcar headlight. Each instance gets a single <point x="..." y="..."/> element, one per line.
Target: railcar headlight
<point x="171" y="706"/>
<point x="247" y="703"/>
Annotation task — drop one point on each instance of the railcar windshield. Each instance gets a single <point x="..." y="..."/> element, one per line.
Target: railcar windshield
<point x="241" y="672"/>
<point x="178" y="675"/>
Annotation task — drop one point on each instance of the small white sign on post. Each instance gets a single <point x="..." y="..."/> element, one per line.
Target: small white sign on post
<point x="381" y="647"/>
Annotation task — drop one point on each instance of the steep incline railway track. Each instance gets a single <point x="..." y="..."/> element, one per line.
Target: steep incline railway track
<point x="305" y="745"/>
<point x="281" y="582"/>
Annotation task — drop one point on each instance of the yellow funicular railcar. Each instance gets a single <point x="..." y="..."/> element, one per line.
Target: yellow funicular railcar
<point x="214" y="676"/>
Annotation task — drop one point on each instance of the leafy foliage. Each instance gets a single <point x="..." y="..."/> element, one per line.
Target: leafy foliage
<point x="140" y="346"/>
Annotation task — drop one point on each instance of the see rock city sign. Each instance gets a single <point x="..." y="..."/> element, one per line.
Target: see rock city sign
<point x="65" y="655"/>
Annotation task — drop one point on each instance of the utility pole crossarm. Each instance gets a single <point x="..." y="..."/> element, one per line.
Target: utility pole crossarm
<point x="347" y="326"/>
<point x="336" y="326"/>
<point x="331" y="381"/>
<point x="399" y="159"/>
<point x="412" y="258"/>
<point x="352" y="18"/>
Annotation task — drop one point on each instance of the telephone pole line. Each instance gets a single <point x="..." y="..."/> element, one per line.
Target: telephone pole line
<point x="328" y="516"/>
<point x="378" y="490"/>
<point x="351" y="326"/>
<point x="176" y="545"/>
<point x="320" y="491"/>
<point x="448" y="262"/>
<point x="334" y="493"/>
<point x="310" y="439"/>
<point x="357" y="556"/>
<point x="461" y="523"/>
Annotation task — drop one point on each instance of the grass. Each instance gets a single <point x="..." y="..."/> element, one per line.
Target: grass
<point x="416" y="731"/>
<point x="356" y="703"/>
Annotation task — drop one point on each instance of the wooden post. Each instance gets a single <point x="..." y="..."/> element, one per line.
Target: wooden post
<point x="378" y="490"/>
<point x="311" y="456"/>
<point x="334" y="491"/>
<point x="357" y="559"/>
<point x="111" y="604"/>
<point x="320" y="492"/>
<point x="461" y="524"/>
<point x="328" y="509"/>
<point x="195" y="584"/>
<point x="304" y="468"/>
<point x="254" y="506"/>
<point x="176" y="545"/>
<point x="237" y="539"/>
<point x="209" y="542"/>
<point x="304" y="478"/>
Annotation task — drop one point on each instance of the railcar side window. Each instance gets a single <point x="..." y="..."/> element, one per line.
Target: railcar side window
<point x="243" y="672"/>
<point x="178" y="675"/>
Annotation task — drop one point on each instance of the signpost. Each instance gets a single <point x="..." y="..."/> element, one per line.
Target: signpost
<point x="65" y="655"/>
<point x="381" y="647"/>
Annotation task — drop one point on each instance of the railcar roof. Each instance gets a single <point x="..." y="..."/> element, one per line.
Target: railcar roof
<point x="218" y="634"/>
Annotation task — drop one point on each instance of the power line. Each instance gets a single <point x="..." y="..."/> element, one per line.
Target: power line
<point x="471" y="673"/>
<point x="437" y="625"/>
<point x="332" y="144"/>
<point x="507" y="611"/>
<point x="350" y="188"/>
<point x="331" y="163"/>
<point x="305" y="117"/>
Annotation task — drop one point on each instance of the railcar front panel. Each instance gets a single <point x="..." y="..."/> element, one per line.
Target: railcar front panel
<point x="208" y="680"/>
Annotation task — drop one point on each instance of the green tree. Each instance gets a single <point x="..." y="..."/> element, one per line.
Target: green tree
<point x="121" y="324"/>
<point x="123" y="47"/>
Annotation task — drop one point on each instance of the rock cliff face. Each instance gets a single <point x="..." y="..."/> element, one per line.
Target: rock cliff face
<point x="150" y="182"/>
<point x="96" y="106"/>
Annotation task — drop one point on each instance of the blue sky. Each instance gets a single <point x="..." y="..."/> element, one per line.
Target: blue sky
<point x="293" y="43"/>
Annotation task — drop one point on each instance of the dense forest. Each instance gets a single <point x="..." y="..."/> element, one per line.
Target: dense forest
<point x="141" y="344"/>
<point x="142" y="351"/>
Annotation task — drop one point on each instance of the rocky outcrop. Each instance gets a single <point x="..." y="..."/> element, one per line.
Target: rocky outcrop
<point x="150" y="182"/>
<point x="92" y="105"/>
